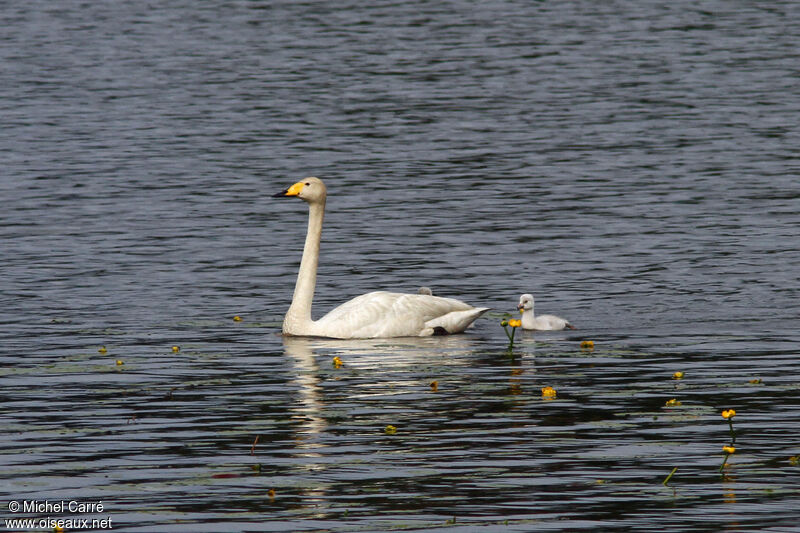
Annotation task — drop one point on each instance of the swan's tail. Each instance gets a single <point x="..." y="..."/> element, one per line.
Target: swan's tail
<point x="455" y="321"/>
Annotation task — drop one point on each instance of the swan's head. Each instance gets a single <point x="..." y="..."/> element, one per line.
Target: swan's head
<point x="308" y="189"/>
<point x="525" y="302"/>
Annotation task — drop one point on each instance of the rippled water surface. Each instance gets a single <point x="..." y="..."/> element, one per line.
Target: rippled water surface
<point x="633" y="165"/>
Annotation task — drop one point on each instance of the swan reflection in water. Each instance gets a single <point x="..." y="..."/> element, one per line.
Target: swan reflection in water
<point x="379" y="354"/>
<point x="374" y="371"/>
<point x="316" y="407"/>
<point x="306" y="411"/>
<point x="391" y="363"/>
<point x="309" y="354"/>
<point x="407" y="357"/>
<point x="311" y="358"/>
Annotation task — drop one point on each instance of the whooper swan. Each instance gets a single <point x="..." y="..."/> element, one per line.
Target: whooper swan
<point x="541" y="322"/>
<point x="373" y="315"/>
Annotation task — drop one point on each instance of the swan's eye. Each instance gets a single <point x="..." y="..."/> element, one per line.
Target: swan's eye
<point x="308" y="183"/>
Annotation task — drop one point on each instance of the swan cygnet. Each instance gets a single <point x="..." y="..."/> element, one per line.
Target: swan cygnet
<point x="373" y="315"/>
<point x="541" y="322"/>
<point x="425" y="290"/>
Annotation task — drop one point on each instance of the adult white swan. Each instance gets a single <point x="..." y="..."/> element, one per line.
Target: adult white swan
<point x="372" y="315"/>
<point x="541" y="322"/>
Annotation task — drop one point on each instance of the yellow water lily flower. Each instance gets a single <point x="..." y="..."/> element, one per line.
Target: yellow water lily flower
<point x="434" y="386"/>
<point x="515" y="322"/>
<point x="337" y="362"/>
<point x="730" y="413"/>
<point x="176" y="349"/>
<point x="237" y="318"/>
<point x="677" y="375"/>
<point x="587" y="345"/>
<point x="672" y="403"/>
<point x="120" y="362"/>
<point x="271" y="494"/>
<point x="728" y="449"/>
<point x="102" y="349"/>
<point x="548" y="392"/>
<point x="390" y="430"/>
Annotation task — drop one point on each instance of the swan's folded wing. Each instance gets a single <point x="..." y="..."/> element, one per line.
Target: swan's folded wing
<point x="389" y="314"/>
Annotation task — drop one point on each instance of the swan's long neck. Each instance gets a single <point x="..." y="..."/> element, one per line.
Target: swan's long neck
<point x="299" y="313"/>
<point x="528" y="318"/>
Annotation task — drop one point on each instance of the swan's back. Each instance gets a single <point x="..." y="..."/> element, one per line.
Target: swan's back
<point x="391" y="314"/>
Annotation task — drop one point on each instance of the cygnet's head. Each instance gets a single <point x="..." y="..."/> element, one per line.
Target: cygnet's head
<point x="309" y="189"/>
<point x="425" y="290"/>
<point x="525" y="302"/>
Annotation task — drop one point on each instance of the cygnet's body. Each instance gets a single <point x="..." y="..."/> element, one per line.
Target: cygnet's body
<point x="541" y="322"/>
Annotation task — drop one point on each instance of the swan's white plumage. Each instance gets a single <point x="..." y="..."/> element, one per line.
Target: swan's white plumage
<point x="541" y="322"/>
<point x="391" y="314"/>
<point x="377" y="314"/>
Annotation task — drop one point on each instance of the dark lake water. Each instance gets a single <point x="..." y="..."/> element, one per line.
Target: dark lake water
<point x="634" y="165"/>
